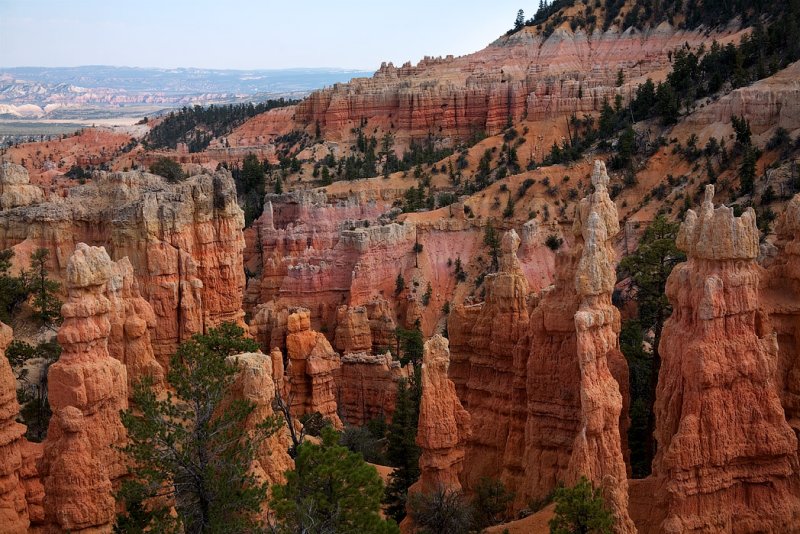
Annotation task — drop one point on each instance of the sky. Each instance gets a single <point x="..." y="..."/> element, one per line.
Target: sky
<point x="246" y="34"/>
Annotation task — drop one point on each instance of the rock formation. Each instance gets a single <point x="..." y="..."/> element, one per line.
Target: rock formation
<point x="78" y="490"/>
<point x="352" y="330"/>
<point x="366" y="387"/>
<point x="444" y="425"/>
<point x="487" y="376"/>
<point x="184" y="242"/>
<point x="15" y="187"/>
<point x="443" y="429"/>
<point x="132" y="321"/>
<point x="313" y="365"/>
<point x="726" y="458"/>
<point x="87" y="388"/>
<point x="597" y="450"/>
<point x="14" y="515"/>
<point x="256" y="383"/>
<point x="521" y="75"/>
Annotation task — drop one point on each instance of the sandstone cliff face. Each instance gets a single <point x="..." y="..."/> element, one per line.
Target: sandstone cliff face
<point x="517" y="76"/>
<point x="312" y="368"/>
<point x="353" y="332"/>
<point x="597" y="450"/>
<point x="184" y="242"/>
<point x="256" y="383"/>
<point x="14" y="515"/>
<point x="15" y="187"/>
<point x="487" y="376"/>
<point x="726" y="458"/>
<point x="366" y="387"/>
<point x="87" y="388"/>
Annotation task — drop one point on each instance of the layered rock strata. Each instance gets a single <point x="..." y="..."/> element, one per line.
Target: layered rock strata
<point x="184" y="242"/>
<point x="524" y="75"/>
<point x="87" y="388"/>
<point x="726" y="458"/>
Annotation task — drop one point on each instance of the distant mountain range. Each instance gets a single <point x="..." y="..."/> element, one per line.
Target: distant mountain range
<point x="72" y="92"/>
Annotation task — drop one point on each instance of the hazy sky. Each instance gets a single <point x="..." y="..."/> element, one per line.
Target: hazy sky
<point x="246" y="34"/>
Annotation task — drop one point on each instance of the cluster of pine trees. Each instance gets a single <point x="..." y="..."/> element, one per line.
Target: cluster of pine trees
<point x="198" y="125"/>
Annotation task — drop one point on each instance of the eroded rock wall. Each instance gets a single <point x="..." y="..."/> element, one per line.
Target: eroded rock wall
<point x="184" y="242"/>
<point x="726" y="458"/>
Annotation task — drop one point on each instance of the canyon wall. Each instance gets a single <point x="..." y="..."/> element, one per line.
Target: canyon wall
<point x="726" y="458"/>
<point x="524" y="75"/>
<point x="184" y="242"/>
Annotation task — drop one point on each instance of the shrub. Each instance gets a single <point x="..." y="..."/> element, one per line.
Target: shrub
<point x="553" y="242"/>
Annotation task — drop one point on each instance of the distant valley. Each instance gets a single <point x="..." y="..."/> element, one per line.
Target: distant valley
<point x="43" y="101"/>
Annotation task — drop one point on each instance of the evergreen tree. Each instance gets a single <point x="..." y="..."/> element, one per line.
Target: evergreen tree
<point x="519" y="22"/>
<point x="167" y="168"/>
<point x="399" y="284"/>
<point x="45" y="302"/>
<point x="14" y="290"/>
<point x="192" y="450"/>
<point x="402" y="450"/>
<point x="330" y="490"/>
<point x="581" y="510"/>
<point x="492" y="240"/>
<point x="747" y="171"/>
<point x="648" y="268"/>
<point x="278" y="186"/>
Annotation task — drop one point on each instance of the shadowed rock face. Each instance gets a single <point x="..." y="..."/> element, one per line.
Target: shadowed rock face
<point x="184" y="242"/>
<point x="780" y="300"/>
<point x="726" y="458"/>
<point x="87" y="388"/>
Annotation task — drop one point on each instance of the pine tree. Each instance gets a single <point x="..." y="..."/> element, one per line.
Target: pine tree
<point x="330" y="490"/>
<point x="402" y="450"/>
<point x="648" y="269"/>
<point x="45" y="302"/>
<point x="492" y="240"/>
<point x="185" y="449"/>
<point x="581" y="510"/>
